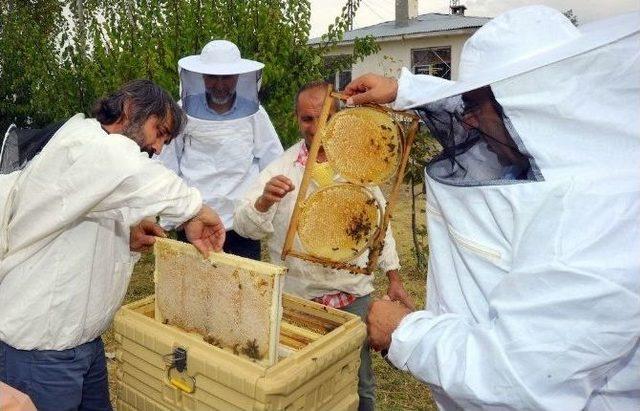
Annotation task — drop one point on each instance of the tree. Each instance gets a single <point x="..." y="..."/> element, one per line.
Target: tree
<point x="57" y="58"/>
<point x="425" y="147"/>
<point x="27" y="58"/>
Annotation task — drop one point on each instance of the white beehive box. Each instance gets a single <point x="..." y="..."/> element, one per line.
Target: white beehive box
<point x="317" y="370"/>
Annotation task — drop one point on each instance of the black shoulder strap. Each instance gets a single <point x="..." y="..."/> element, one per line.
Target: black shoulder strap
<point x="23" y="144"/>
<point x="34" y="140"/>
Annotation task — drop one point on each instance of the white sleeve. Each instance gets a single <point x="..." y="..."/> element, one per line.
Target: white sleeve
<point x="267" y="146"/>
<point x="116" y="180"/>
<point x="249" y="222"/>
<point x="107" y="178"/>
<point x="559" y="327"/>
<point x="414" y="88"/>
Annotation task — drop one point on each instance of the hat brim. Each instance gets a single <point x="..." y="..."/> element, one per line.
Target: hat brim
<point x="195" y="64"/>
<point x="594" y="35"/>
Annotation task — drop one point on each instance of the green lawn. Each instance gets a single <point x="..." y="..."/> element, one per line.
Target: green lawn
<point x="396" y="390"/>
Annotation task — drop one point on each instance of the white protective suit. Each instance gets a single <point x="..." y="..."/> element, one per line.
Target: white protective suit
<point x="222" y="157"/>
<point x="65" y="260"/>
<point x="533" y="289"/>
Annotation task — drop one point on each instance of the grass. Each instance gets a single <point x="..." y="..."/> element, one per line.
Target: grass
<point x="396" y="390"/>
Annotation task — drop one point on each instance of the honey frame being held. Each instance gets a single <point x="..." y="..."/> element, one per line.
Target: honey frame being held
<point x="408" y="126"/>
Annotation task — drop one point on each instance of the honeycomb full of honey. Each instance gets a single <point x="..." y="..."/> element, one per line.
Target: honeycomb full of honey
<point x="363" y="145"/>
<point x="339" y="221"/>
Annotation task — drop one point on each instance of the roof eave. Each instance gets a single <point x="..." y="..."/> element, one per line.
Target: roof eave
<point x="384" y="39"/>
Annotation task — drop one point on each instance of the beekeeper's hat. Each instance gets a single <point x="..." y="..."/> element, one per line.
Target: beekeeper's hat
<point x="219" y="57"/>
<point x="519" y="41"/>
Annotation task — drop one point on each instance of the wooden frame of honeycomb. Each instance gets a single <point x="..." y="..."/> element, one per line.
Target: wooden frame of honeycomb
<point x="233" y="302"/>
<point x="407" y="124"/>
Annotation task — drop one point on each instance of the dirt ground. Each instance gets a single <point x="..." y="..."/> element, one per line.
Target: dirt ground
<point x="395" y="390"/>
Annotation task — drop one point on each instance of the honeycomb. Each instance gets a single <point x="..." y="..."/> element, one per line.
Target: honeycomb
<point x="363" y="145"/>
<point x="231" y="301"/>
<point x="338" y="222"/>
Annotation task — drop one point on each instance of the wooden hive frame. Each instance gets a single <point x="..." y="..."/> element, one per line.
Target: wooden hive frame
<point x="231" y="301"/>
<point x="407" y="136"/>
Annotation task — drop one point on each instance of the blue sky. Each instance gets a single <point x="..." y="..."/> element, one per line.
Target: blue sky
<point x="323" y="12"/>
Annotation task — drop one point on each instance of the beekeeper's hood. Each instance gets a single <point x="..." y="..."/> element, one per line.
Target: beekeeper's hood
<point x="217" y="74"/>
<point x="568" y="96"/>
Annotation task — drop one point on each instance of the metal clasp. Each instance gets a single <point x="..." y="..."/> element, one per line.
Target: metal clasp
<point x="176" y="370"/>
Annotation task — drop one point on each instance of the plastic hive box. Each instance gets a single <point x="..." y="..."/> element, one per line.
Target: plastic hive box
<point x="319" y="356"/>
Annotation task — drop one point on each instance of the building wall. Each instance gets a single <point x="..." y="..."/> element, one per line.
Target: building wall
<point x="394" y="55"/>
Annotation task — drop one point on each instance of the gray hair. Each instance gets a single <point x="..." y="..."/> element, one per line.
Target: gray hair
<point x="142" y="99"/>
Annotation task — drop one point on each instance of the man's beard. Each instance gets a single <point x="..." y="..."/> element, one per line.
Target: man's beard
<point x="219" y="100"/>
<point x="134" y="132"/>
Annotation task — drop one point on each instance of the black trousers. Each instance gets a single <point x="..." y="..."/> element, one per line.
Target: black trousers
<point x="234" y="243"/>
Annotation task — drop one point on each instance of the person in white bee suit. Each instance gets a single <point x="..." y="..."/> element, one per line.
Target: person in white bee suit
<point x="533" y="289"/>
<point x="228" y="138"/>
<point x="72" y="223"/>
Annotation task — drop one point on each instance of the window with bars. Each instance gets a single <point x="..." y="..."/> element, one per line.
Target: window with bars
<point x="339" y="68"/>
<point x="435" y="61"/>
<point x="343" y="78"/>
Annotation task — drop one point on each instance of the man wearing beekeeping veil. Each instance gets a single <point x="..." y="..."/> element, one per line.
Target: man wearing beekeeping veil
<point x="533" y="290"/>
<point x="228" y="138"/>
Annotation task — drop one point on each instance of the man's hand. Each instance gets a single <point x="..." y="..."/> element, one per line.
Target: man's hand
<point x="382" y="320"/>
<point x="143" y="235"/>
<point x="273" y="192"/>
<point x="396" y="291"/>
<point x="205" y="231"/>
<point x="371" y="88"/>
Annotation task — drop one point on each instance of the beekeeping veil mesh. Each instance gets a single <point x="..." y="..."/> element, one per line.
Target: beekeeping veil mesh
<point x="219" y="61"/>
<point x="468" y="153"/>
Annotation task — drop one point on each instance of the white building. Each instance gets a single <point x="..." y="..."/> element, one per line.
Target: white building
<point x="428" y="43"/>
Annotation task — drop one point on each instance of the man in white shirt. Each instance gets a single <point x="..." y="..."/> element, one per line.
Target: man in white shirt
<point x="229" y="138"/>
<point x="266" y="209"/>
<point x="65" y="242"/>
